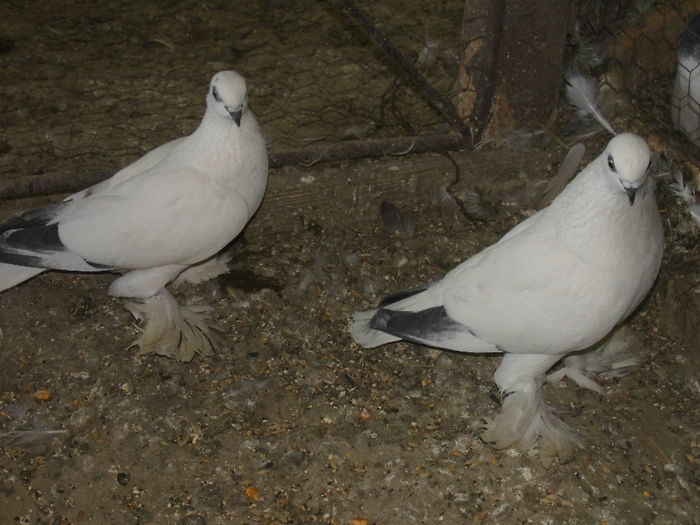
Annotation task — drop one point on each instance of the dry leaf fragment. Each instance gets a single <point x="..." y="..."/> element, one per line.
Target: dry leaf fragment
<point x="42" y="395"/>
<point x="253" y="493"/>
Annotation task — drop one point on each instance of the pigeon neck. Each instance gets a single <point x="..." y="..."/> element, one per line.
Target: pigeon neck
<point x="218" y="137"/>
<point x="215" y="128"/>
<point x="595" y="219"/>
<point x="235" y="156"/>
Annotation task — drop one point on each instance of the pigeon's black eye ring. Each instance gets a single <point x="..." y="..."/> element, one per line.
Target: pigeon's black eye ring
<point x="611" y="164"/>
<point x="215" y="94"/>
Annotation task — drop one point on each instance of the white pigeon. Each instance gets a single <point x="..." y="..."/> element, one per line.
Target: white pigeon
<point x="556" y="283"/>
<point x="685" y="96"/>
<point x="173" y="208"/>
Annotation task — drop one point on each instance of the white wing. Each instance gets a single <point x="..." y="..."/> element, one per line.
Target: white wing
<point x="526" y="294"/>
<point x="154" y="219"/>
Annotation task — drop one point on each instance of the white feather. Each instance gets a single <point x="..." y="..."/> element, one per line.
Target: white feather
<point x="583" y="95"/>
<point x="11" y="275"/>
<point x="209" y="269"/>
<point x="682" y="190"/>
<point x="613" y="358"/>
<point x="686" y="193"/>
<point x="364" y="335"/>
<point x="694" y="211"/>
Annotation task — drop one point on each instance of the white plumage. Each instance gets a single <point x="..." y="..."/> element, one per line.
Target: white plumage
<point x="175" y="207"/>
<point x="556" y="283"/>
<point x="582" y="93"/>
<point x="685" y="97"/>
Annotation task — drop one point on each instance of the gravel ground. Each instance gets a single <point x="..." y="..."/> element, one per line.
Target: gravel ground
<point x="292" y="422"/>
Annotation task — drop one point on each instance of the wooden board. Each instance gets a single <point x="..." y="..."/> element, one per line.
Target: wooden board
<point x="356" y="189"/>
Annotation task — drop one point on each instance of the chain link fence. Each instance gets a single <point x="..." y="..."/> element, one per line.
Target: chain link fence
<point x="89" y="87"/>
<point x="632" y="47"/>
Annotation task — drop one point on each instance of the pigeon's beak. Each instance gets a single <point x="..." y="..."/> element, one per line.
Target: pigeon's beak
<point x="631" y="192"/>
<point x="236" y="114"/>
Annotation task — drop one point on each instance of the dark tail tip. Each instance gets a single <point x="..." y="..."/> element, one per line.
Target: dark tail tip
<point x="380" y="319"/>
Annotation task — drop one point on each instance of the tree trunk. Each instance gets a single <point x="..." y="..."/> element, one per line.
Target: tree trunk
<point x="512" y="64"/>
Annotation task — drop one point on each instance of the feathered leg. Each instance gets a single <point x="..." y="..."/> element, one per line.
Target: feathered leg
<point x="614" y="357"/>
<point x="167" y="328"/>
<point x="172" y="330"/>
<point x="525" y="415"/>
<point x="205" y="271"/>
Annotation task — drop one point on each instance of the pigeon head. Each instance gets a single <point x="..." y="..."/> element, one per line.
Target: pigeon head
<point x="228" y="95"/>
<point x="626" y="161"/>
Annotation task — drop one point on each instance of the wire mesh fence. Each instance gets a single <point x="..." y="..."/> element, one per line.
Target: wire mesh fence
<point x="89" y="87"/>
<point x="632" y="47"/>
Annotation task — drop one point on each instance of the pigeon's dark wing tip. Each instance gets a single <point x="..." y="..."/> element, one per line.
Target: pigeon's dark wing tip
<point x="41" y="247"/>
<point x="432" y="327"/>
<point x="402" y="295"/>
<point x="413" y="325"/>
<point x="38" y="217"/>
<point x="36" y="238"/>
<point x="26" y="246"/>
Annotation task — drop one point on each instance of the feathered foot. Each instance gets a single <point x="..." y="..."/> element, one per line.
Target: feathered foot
<point x="612" y="358"/>
<point x="525" y="416"/>
<point x="205" y="271"/>
<point x="172" y="330"/>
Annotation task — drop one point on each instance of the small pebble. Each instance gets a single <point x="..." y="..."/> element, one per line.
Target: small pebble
<point x="123" y="478"/>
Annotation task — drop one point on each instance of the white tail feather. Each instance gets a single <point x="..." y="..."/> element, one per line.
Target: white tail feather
<point x="363" y="335"/>
<point x="368" y="338"/>
<point x="11" y="275"/>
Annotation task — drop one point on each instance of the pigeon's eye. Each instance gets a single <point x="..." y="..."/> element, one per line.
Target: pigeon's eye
<point x="215" y="94"/>
<point x="611" y="164"/>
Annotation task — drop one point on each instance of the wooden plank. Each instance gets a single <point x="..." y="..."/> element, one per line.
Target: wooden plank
<point x="355" y="190"/>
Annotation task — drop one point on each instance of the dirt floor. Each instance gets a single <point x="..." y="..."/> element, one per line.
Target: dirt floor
<point x="292" y="422"/>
